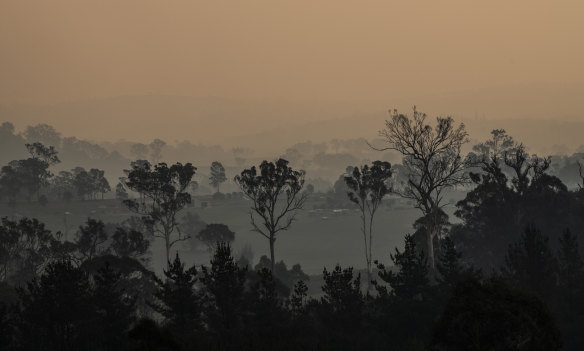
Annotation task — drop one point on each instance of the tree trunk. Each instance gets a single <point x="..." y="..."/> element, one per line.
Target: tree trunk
<point x="167" y="244"/>
<point x="367" y="250"/>
<point x="430" y="242"/>
<point x="369" y="273"/>
<point x="431" y="229"/>
<point x="272" y="240"/>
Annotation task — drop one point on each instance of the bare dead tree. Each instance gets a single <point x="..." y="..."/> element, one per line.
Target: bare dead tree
<point x="433" y="160"/>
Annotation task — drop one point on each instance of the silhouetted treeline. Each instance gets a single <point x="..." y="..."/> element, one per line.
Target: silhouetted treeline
<point x="83" y="296"/>
<point x="322" y="160"/>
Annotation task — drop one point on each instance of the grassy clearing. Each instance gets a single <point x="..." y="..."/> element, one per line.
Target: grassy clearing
<point x="318" y="239"/>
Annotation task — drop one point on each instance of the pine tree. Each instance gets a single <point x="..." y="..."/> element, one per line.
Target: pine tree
<point x="341" y="292"/>
<point x="269" y="320"/>
<point x="571" y="273"/>
<point x="297" y="301"/>
<point x="266" y="288"/>
<point x="411" y="281"/>
<point x="531" y="265"/>
<point x="217" y="175"/>
<point x="450" y="267"/>
<point x="181" y="304"/>
<point x="57" y="309"/>
<point x="341" y="308"/>
<point x="224" y="284"/>
<point x="115" y="310"/>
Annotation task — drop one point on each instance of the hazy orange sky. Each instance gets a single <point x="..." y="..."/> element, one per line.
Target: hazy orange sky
<point x="249" y="66"/>
<point x="55" y="51"/>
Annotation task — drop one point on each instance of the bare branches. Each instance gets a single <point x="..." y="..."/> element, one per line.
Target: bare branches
<point x="431" y="155"/>
<point x="522" y="164"/>
<point x="255" y="226"/>
<point x="275" y="193"/>
<point x="432" y="159"/>
<point x="180" y="238"/>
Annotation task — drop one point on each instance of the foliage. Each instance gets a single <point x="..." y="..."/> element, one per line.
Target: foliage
<point x="341" y="291"/>
<point x="367" y="187"/>
<point x="494" y="149"/>
<point x="276" y="195"/>
<point x="67" y="309"/>
<point x="47" y="154"/>
<point x="224" y="284"/>
<point x="341" y="307"/>
<point x="56" y="309"/>
<point x="135" y="281"/>
<point x="90" y="239"/>
<point x="298" y="299"/>
<point x="29" y="174"/>
<point x="180" y="304"/>
<point x="531" y="265"/>
<point x="214" y="233"/>
<point x="129" y="243"/>
<point x="570" y="291"/>
<point x="288" y="277"/>
<point x="164" y="191"/>
<point x="217" y="175"/>
<point x="115" y="310"/>
<point x="90" y="294"/>
<point x="11" y="181"/>
<point x="432" y="158"/>
<point x="491" y="316"/>
<point x="451" y="268"/>
<point x="411" y="281"/>
<point x="571" y="270"/>
<point x="26" y="246"/>
<point x="512" y="191"/>
<point x="225" y="307"/>
<point x="89" y="184"/>
<point x="269" y="320"/>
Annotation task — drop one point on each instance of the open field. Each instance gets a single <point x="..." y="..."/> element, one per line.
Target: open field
<point x="319" y="238"/>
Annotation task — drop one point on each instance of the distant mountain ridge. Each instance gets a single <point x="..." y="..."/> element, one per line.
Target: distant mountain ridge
<point x="541" y="115"/>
